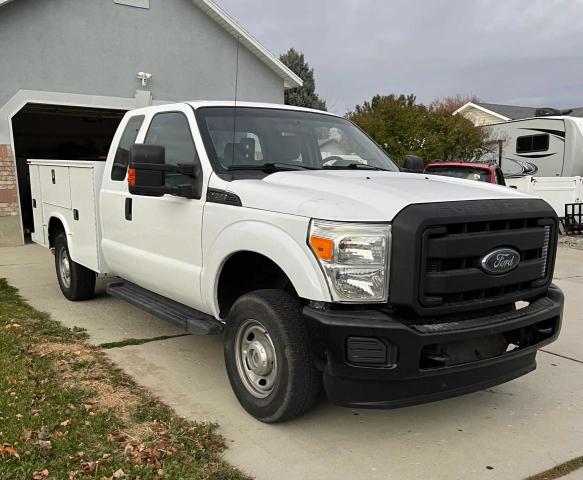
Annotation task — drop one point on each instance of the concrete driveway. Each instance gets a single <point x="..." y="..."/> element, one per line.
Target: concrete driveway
<point x="506" y="432"/>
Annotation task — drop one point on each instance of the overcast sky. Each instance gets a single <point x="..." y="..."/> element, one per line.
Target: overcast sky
<point x="523" y="52"/>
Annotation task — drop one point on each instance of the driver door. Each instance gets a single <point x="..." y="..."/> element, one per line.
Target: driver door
<point x="161" y="248"/>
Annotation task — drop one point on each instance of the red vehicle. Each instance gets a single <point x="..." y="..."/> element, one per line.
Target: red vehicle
<point x="482" y="172"/>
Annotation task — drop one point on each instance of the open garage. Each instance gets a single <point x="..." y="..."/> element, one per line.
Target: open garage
<point x="62" y="133"/>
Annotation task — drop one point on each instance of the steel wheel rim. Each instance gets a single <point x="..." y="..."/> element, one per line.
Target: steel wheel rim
<point x="256" y="358"/>
<point x="65" y="267"/>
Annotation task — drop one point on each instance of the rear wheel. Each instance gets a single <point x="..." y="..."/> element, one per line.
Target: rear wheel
<point x="268" y="356"/>
<point x="76" y="281"/>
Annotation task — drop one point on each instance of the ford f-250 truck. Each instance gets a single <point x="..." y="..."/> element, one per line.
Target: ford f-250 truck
<point x="293" y="235"/>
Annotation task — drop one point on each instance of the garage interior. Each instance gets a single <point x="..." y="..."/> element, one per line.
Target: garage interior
<point x="60" y="133"/>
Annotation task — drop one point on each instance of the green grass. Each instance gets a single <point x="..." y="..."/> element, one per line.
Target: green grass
<point x="65" y="409"/>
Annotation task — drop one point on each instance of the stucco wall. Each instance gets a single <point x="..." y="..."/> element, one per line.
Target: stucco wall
<point x="97" y="47"/>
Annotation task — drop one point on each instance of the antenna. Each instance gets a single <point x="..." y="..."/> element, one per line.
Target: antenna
<point x="236" y="92"/>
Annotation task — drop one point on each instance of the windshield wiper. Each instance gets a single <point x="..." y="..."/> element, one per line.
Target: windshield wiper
<point x="355" y="165"/>
<point x="271" y="167"/>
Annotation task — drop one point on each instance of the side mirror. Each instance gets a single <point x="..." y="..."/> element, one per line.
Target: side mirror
<point x="147" y="173"/>
<point x="413" y="164"/>
<point x="141" y="179"/>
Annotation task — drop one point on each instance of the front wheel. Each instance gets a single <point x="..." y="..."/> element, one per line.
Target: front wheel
<point x="268" y="356"/>
<point x="76" y="281"/>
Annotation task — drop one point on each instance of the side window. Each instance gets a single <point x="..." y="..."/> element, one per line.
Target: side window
<point x="532" y="143"/>
<point x="172" y="131"/>
<point x="122" y="155"/>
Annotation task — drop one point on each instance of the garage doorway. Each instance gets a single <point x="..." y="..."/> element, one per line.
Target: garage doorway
<point x="58" y="133"/>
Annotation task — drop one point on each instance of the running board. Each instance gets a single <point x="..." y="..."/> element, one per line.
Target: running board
<point x="190" y="320"/>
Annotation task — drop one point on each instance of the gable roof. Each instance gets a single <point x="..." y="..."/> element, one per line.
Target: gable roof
<point x="509" y="112"/>
<point x="290" y="79"/>
<point x="512" y="112"/>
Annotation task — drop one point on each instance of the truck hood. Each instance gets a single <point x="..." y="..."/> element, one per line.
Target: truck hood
<point x="348" y="195"/>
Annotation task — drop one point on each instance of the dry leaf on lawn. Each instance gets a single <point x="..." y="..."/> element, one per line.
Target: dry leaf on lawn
<point x="40" y="475"/>
<point x="9" y="450"/>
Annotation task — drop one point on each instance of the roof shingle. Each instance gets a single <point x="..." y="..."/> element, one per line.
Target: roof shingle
<point x="514" y="112"/>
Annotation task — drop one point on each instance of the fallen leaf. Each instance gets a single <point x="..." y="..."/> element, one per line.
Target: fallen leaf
<point x="77" y="456"/>
<point x="66" y="423"/>
<point x="44" y="444"/>
<point x="119" y="474"/>
<point x="89" y="467"/>
<point x="40" y="475"/>
<point x="9" y="450"/>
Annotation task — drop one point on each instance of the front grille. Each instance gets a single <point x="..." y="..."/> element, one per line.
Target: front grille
<point x="452" y="254"/>
<point x="437" y="250"/>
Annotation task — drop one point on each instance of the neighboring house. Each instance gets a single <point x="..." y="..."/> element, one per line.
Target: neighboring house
<point x="69" y="71"/>
<point x="490" y="113"/>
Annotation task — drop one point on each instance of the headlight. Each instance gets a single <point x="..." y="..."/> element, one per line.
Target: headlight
<point x="354" y="257"/>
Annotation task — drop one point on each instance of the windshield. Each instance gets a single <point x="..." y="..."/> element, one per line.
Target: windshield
<point x="461" y="172"/>
<point x="257" y="138"/>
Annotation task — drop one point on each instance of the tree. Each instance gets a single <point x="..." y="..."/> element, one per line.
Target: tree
<point x="451" y="104"/>
<point x="402" y="126"/>
<point x="306" y="95"/>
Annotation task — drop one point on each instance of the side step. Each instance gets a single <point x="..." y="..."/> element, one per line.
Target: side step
<point x="190" y="320"/>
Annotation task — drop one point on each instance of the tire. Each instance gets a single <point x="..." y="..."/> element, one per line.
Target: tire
<point x="76" y="281"/>
<point x="271" y="319"/>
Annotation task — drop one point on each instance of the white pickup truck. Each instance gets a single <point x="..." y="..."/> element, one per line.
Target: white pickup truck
<point x="292" y="234"/>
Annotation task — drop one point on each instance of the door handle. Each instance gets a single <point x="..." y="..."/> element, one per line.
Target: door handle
<point x="129" y="209"/>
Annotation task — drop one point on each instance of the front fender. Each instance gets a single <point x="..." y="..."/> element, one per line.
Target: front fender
<point x="289" y="251"/>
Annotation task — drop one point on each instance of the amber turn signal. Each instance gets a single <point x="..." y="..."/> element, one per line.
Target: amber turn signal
<point x="132" y="177"/>
<point x="323" y="247"/>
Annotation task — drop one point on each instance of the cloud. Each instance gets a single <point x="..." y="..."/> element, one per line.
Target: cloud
<point x="524" y="50"/>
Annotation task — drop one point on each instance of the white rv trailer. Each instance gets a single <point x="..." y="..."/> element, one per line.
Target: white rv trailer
<point x="541" y="146"/>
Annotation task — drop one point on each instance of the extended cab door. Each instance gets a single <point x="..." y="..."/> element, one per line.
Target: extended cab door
<point x="155" y="242"/>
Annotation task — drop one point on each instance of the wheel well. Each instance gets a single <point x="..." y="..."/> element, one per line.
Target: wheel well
<point x="55" y="227"/>
<point x="245" y="272"/>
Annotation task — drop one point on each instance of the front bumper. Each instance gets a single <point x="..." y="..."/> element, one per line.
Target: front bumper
<point x="412" y="370"/>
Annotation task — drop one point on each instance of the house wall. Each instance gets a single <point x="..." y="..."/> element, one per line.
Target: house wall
<point x="95" y="48"/>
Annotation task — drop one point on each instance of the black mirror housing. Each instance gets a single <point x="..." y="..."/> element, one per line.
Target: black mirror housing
<point x="143" y="180"/>
<point x="413" y="164"/>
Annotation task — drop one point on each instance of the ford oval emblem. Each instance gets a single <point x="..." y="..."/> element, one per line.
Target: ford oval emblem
<point x="502" y="260"/>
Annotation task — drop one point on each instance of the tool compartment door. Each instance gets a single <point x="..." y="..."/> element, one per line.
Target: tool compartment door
<point x="84" y="219"/>
<point x="55" y="185"/>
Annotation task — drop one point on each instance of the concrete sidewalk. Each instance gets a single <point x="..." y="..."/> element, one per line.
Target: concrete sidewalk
<point x="507" y="432"/>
